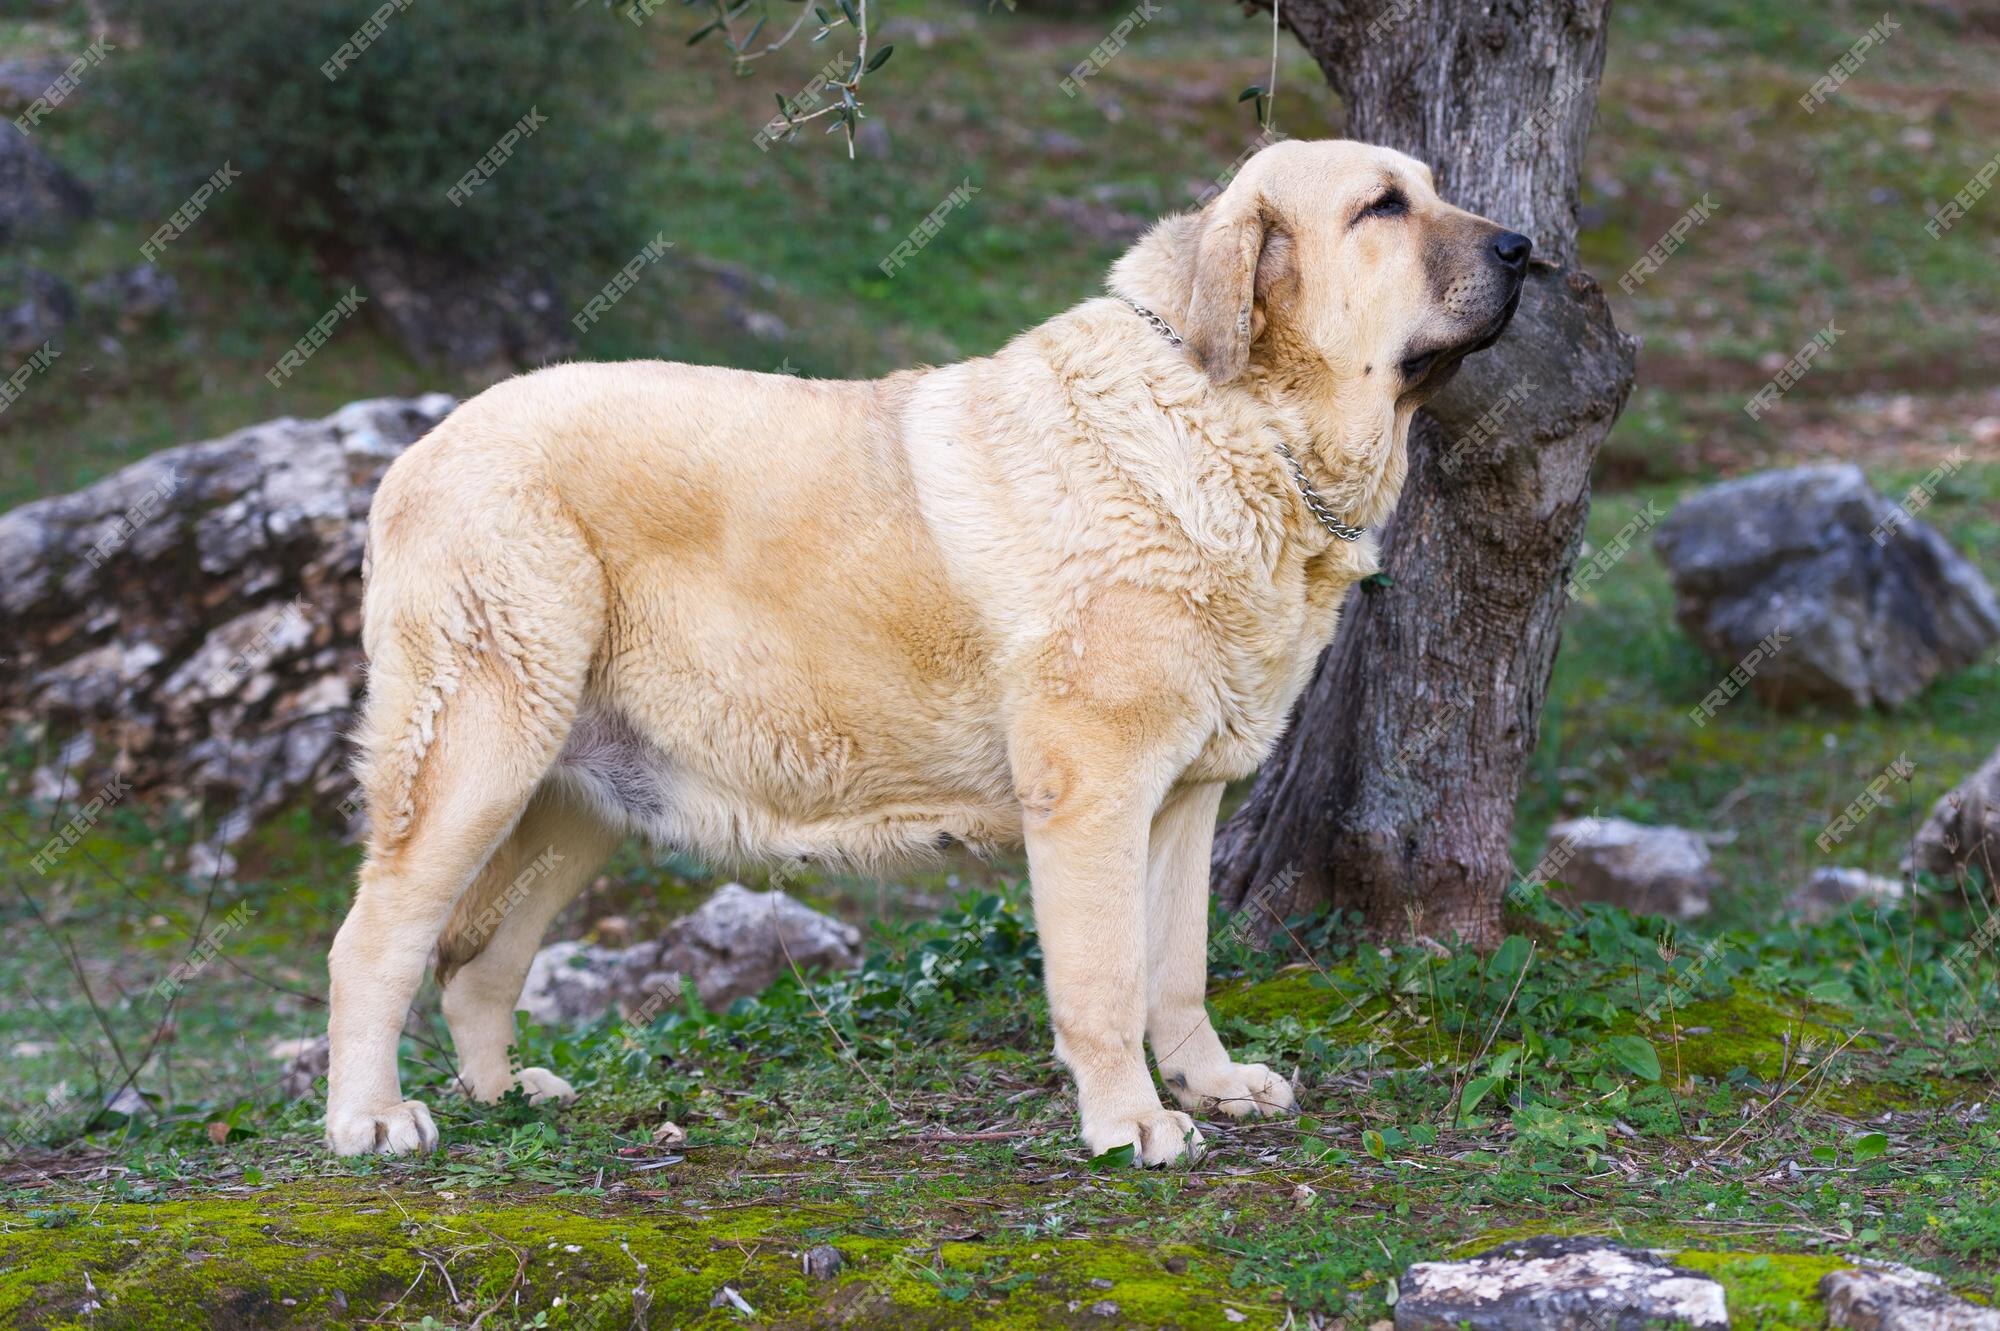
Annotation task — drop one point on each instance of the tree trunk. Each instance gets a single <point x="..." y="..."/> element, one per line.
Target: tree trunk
<point x="1393" y="791"/>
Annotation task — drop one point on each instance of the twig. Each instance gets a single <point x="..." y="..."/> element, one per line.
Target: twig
<point x="826" y="1020"/>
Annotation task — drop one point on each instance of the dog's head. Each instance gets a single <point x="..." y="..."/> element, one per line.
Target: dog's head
<point x="1337" y="269"/>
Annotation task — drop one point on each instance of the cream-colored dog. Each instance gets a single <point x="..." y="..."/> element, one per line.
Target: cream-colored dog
<point x="1060" y="594"/>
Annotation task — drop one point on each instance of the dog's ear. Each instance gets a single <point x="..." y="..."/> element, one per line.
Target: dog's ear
<point x="1242" y="258"/>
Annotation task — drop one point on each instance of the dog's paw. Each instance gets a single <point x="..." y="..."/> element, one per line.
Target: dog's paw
<point x="1157" y="1137"/>
<point x="397" y="1130"/>
<point x="540" y="1085"/>
<point x="1242" y="1090"/>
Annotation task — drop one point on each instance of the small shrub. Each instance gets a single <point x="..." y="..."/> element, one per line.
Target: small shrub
<point x="363" y="161"/>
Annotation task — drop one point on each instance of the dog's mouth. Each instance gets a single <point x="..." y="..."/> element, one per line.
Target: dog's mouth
<point x="1429" y="371"/>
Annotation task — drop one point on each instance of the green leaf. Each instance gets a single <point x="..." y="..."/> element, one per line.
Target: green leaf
<point x="1371" y="1142"/>
<point x="1508" y="961"/>
<point x="700" y="33"/>
<point x="847" y="8"/>
<point x="879" y="59"/>
<point x="1636" y="1055"/>
<point x="1475" y="1090"/>
<point x="1252" y="91"/>
<point x="1869" y="1145"/>
<point x="1118" y="1157"/>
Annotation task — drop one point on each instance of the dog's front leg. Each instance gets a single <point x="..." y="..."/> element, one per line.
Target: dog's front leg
<point x="1087" y="806"/>
<point x="1193" y="1063"/>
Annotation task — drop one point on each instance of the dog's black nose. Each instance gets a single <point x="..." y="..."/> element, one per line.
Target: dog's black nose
<point x="1511" y="249"/>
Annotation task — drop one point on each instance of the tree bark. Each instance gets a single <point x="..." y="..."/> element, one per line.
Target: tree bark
<point x="1393" y="791"/>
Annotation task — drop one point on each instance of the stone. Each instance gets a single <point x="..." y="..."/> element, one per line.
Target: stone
<point x="132" y="295"/>
<point x="823" y="1262"/>
<point x="740" y="941"/>
<point x="1870" y="602"/>
<point x="37" y="194"/>
<point x="306" y="1061"/>
<point x="1646" y="870"/>
<point x="464" y="316"/>
<point x="1962" y="833"/>
<point x="1557" y="1284"/>
<point x="1829" y="891"/>
<point x="1885" y="1297"/>
<point x="191" y="623"/>
<point x="734" y="946"/>
<point x="571" y="982"/>
<point x="35" y="307"/>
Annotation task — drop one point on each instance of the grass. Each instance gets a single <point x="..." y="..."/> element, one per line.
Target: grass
<point x="1786" y="1098"/>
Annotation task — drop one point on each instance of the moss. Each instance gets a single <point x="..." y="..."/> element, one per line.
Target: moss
<point x="336" y="1255"/>
<point x="1749" y="1028"/>
<point x="1767" y="1291"/>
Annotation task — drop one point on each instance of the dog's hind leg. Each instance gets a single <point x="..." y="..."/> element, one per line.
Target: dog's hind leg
<point x="490" y="942"/>
<point x="479" y="644"/>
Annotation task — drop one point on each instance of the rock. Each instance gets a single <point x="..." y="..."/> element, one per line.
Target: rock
<point x="25" y="78"/>
<point x="1547" y="1284"/>
<point x="131" y="295"/>
<point x="1872" y="603"/>
<point x="305" y="1061"/>
<point x="1963" y="830"/>
<point x="36" y="192"/>
<point x="463" y="316"/>
<point x="1829" y="891"/>
<point x="732" y="947"/>
<point x="740" y="941"/>
<point x="1647" y="870"/>
<point x="1885" y="1297"/>
<point x="571" y="982"/>
<point x="823" y="1262"/>
<point x="196" y="616"/>
<point x="35" y="307"/>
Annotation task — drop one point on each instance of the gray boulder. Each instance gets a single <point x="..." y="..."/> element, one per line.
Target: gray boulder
<point x="1647" y="870"/>
<point x="35" y="307"/>
<point x="192" y="622"/>
<point x="734" y="946"/>
<point x="1886" y="1297"/>
<point x="1872" y="603"/>
<point x="1829" y="891"/>
<point x="1558" y="1284"/>
<point x="36" y="192"/>
<point x="131" y="295"/>
<point x="1963" y="830"/>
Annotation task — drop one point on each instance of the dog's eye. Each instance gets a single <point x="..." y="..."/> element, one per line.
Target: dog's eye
<point x="1391" y="204"/>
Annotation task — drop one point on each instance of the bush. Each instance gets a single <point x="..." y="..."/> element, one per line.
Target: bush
<point x="363" y="160"/>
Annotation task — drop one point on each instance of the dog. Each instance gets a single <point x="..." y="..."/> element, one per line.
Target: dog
<point x="1058" y="595"/>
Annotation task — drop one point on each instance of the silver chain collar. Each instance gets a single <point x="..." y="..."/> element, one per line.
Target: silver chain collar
<point x="1311" y="496"/>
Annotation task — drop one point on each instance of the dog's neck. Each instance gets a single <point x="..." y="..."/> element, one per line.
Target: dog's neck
<point x="1357" y="464"/>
